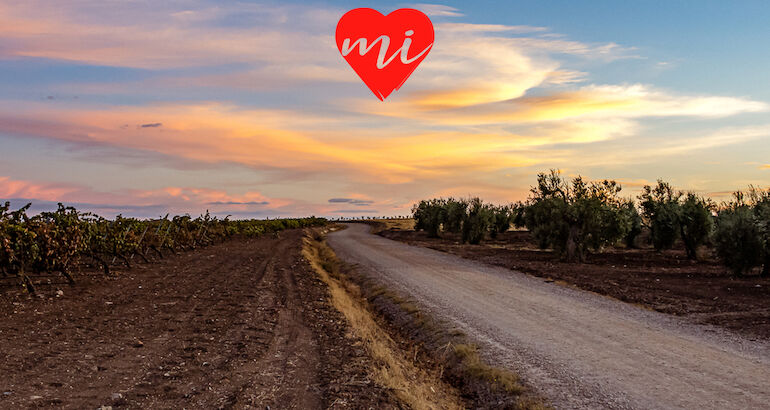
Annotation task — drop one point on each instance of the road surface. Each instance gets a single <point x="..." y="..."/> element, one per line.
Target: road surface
<point x="578" y="349"/>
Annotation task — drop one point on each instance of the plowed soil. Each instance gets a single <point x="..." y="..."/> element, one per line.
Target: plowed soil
<point x="704" y="291"/>
<point x="242" y="324"/>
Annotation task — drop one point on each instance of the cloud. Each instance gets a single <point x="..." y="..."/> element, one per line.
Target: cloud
<point x="437" y="10"/>
<point x="765" y="166"/>
<point x="261" y="89"/>
<point x="162" y="36"/>
<point x="215" y="133"/>
<point x="468" y="28"/>
<point x="136" y="202"/>
<point x="624" y="152"/>
<point x="588" y="102"/>
<point x="282" y="45"/>
<point x="238" y="203"/>
<point x="352" y="201"/>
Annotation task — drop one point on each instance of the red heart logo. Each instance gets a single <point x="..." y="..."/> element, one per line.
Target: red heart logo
<point x="384" y="50"/>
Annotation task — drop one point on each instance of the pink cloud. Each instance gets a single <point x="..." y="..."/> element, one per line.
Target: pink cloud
<point x="176" y="200"/>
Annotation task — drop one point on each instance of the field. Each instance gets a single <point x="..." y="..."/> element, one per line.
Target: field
<point x="257" y="321"/>
<point x="206" y="312"/>
<point x="274" y="319"/>
<point x="242" y="323"/>
<point x="703" y="291"/>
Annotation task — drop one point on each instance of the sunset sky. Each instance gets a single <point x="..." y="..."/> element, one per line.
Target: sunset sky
<point x="247" y="108"/>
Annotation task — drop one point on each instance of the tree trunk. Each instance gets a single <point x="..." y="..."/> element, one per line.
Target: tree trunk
<point x="26" y="281"/>
<point x="688" y="245"/>
<point x="155" y="248"/>
<point x="143" y="255"/>
<point x="105" y="265"/>
<point x="573" y="253"/>
<point x="67" y="276"/>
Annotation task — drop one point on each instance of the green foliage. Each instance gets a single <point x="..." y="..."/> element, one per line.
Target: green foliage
<point x="54" y="241"/>
<point x="695" y="223"/>
<point x="742" y="235"/>
<point x="661" y="212"/>
<point x="632" y="220"/>
<point x="573" y="217"/>
<point x="429" y="216"/>
<point x="477" y="221"/>
<point x="454" y="214"/>
<point x="761" y="201"/>
<point x="517" y="214"/>
<point x="738" y="238"/>
<point x="502" y="216"/>
<point x="19" y="250"/>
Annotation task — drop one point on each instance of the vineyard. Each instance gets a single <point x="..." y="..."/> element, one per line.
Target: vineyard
<point x="576" y="217"/>
<point x="37" y="249"/>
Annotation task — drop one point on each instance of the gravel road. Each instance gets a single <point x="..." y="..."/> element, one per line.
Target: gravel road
<point x="578" y="349"/>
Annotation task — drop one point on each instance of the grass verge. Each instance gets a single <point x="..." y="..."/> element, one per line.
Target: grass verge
<point x="456" y="359"/>
<point x="416" y="387"/>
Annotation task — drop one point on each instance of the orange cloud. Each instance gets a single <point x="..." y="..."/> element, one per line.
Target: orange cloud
<point x="264" y="139"/>
<point x="765" y="166"/>
<point x="460" y="107"/>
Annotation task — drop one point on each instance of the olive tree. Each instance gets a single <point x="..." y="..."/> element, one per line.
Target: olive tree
<point x="573" y="217"/>
<point x="502" y="216"/>
<point x="760" y="201"/>
<point x="454" y="214"/>
<point x="695" y="223"/>
<point x="661" y="211"/>
<point x="429" y="215"/>
<point x="738" y="238"/>
<point x="477" y="221"/>
<point x="762" y="214"/>
<point x="633" y="221"/>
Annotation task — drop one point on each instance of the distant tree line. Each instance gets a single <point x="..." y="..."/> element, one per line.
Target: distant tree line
<point x="575" y="216"/>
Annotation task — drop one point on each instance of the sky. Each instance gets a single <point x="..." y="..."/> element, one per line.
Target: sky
<point x="246" y="108"/>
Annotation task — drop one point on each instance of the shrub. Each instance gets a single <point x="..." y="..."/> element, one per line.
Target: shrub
<point x="695" y="223"/>
<point x="738" y="238"/>
<point x="633" y="221"/>
<point x="454" y="214"/>
<point x="517" y="214"/>
<point x="477" y="221"/>
<point x="501" y="220"/>
<point x="660" y="209"/>
<point x="572" y="218"/>
<point x="429" y="215"/>
<point x="761" y="205"/>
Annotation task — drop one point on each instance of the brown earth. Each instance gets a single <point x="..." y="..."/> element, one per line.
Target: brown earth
<point x="703" y="291"/>
<point x="242" y="324"/>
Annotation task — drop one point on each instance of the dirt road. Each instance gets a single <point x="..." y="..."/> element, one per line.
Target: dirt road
<point x="242" y="324"/>
<point x="578" y="349"/>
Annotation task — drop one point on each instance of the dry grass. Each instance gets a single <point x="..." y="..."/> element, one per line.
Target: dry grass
<point x="404" y="224"/>
<point x="379" y="225"/>
<point x="392" y="367"/>
<point x="469" y="356"/>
